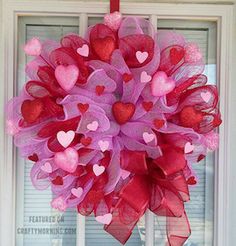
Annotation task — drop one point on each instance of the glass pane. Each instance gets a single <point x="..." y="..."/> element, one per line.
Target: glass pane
<point x="37" y="223"/>
<point x="200" y="209"/>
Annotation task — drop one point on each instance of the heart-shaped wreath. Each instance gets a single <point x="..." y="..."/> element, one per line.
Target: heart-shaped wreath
<point x="114" y="121"/>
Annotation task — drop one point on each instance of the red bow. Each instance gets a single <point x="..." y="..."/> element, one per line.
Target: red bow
<point x="150" y="188"/>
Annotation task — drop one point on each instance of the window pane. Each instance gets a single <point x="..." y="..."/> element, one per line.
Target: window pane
<point x="200" y="209"/>
<point x="37" y="223"/>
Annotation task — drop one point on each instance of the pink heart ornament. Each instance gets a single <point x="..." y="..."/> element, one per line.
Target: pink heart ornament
<point x="83" y="51"/>
<point x="67" y="76"/>
<point x="148" y="137"/>
<point x="141" y="56"/>
<point x="93" y="126"/>
<point x="33" y="47"/>
<point x="77" y="192"/>
<point x="104" y="145"/>
<point x="104" y="219"/>
<point x="67" y="160"/>
<point x="161" y="84"/>
<point x="65" y="138"/>
<point x="46" y="167"/>
<point x="188" y="148"/>
<point x="113" y="20"/>
<point x="144" y="77"/>
<point x="98" y="170"/>
<point x="206" y="96"/>
<point x="124" y="174"/>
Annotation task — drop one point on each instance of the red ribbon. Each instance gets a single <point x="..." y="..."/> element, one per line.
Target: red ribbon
<point x="150" y="189"/>
<point x="114" y="5"/>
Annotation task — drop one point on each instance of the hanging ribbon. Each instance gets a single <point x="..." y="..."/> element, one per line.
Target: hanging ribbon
<point x="114" y="5"/>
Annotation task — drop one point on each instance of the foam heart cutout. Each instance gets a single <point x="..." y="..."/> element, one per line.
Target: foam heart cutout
<point x="92" y="126"/>
<point x="67" y="76"/>
<point x="123" y="112"/>
<point x="188" y="148"/>
<point x="83" y="51"/>
<point x="65" y="138"/>
<point x="86" y="141"/>
<point x="83" y="107"/>
<point x="104" y="145"/>
<point x="147" y="106"/>
<point x="67" y="160"/>
<point x="148" y="137"/>
<point x="104" y="219"/>
<point x="46" y="167"/>
<point x="77" y="192"/>
<point x="141" y="56"/>
<point x="206" y="96"/>
<point x="145" y="78"/>
<point x="161" y="84"/>
<point x="98" y="170"/>
<point x="33" y="47"/>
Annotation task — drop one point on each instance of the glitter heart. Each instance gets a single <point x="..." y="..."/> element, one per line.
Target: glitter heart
<point x="141" y="56"/>
<point x="161" y="84"/>
<point x="67" y="76"/>
<point x="67" y="160"/>
<point x="104" y="219"/>
<point x="158" y="123"/>
<point x="98" y="170"/>
<point x="33" y="47"/>
<point x="83" y="51"/>
<point x="145" y="78"/>
<point x="65" y="138"/>
<point x="31" y="110"/>
<point x="113" y="20"/>
<point x="123" y="112"/>
<point x="127" y="77"/>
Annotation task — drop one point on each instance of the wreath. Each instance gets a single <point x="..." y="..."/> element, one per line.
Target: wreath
<point x="114" y="121"/>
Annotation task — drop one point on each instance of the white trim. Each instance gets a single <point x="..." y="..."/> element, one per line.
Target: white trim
<point x="223" y="14"/>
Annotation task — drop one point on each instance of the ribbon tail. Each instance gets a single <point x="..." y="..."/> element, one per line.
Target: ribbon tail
<point x="133" y="202"/>
<point x="178" y="230"/>
<point x="114" y="5"/>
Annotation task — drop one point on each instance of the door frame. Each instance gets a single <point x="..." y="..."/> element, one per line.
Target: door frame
<point x="221" y="14"/>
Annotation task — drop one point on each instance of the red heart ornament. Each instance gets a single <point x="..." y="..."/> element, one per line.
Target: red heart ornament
<point x="176" y="55"/>
<point x="33" y="157"/>
<point x="123" y="112"/>
<point x="100" y="89"/>
<point x="127" y="77"/>
<point x="158" y="123"/>
<point x="191" y="181"/>
<point x="58" y="181"/>
<point x="31" y="110"/>
<point x="86" y="141"/>
<point x="147" y="106"/>
<point x="83" y="107"/>
<point x="189" y="117"/>
<point x="104" y="47"/>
